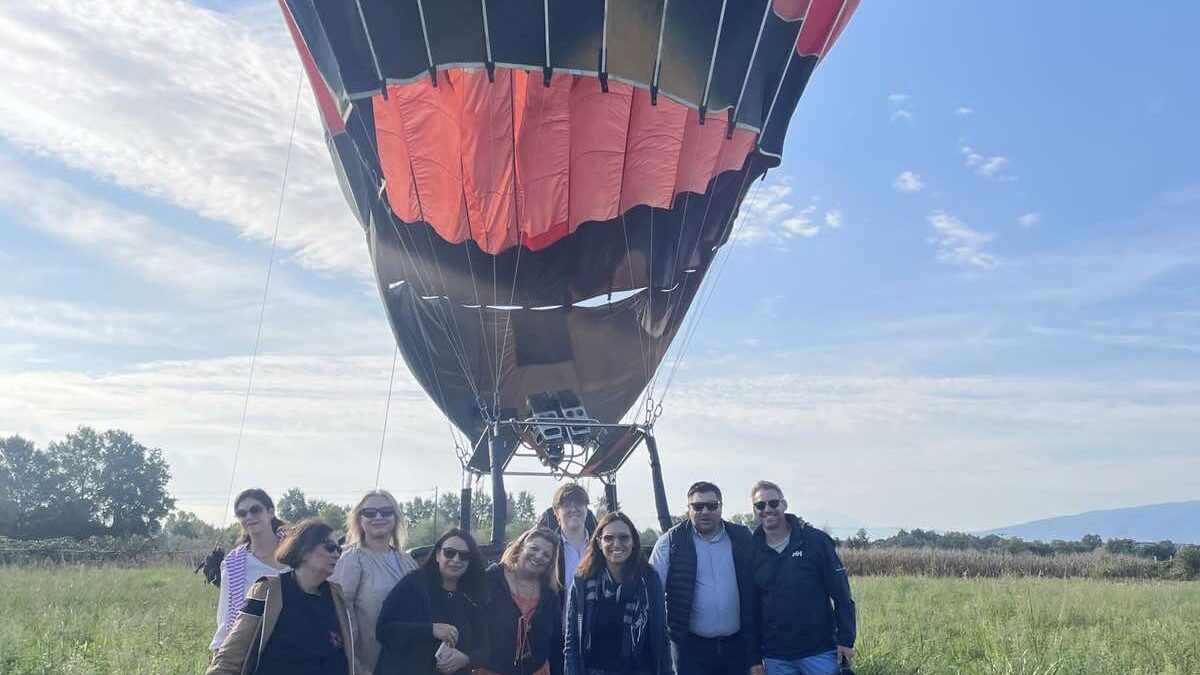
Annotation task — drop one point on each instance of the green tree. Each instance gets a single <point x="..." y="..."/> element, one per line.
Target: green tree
<point x="122" y="481"/>
<point x="1186" y="563"/>
<point x="1118" y="546"/>
<point x="8" y="503"/>
<point x="334" y="515"/>
<point x="859" y="540"/>
<point x="1091" y="542"/>
<point x="294" y="507"/>
<point x="44" y="507"/>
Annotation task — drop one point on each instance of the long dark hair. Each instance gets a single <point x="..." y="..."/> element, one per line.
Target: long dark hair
<point x="474" y="582"/>
<point x="261" y="496"/>
<point x="593" y="562"/>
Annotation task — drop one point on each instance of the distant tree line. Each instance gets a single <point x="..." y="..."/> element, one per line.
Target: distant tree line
<point x="88" y="484"/>
<point x="962" y="541"/>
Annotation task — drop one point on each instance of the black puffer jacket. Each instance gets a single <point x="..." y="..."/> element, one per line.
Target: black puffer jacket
<point x="544" y="635"/>
<point x="795" y="589"/>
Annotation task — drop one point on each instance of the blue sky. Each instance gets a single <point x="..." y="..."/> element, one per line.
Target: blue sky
<point x="969" y="296"/>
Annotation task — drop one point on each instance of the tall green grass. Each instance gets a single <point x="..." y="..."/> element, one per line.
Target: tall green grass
<point x="103" y="621"/>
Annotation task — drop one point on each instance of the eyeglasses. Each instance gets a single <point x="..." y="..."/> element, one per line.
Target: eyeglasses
<point x="252" y="511"/>
<point x="700" y="507"/>
<point x="386" y="512"/>
<point x="332" y="547"/>
<point x="762" y="506"/>
<point x="452" y="553"/>
<point x="610" y="538"/>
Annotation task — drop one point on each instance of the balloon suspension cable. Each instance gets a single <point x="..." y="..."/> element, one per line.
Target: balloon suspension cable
<point x="262" y="310"/>
<point x="707" y="296"/>
<point x="387" y="409"/>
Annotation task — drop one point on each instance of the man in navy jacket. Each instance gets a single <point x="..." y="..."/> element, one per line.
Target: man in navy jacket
<point x="806" y="620"/>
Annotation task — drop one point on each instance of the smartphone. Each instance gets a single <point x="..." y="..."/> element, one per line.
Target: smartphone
<point x="443" y="652"/>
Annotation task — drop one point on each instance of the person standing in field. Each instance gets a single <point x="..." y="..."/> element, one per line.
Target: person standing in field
<point x="252" y="559"/>
<point x="806" y="618"/>
<point x="707" y="568"/>
<point x="372" y="564"/>
<point x="524" y="613"/>
<point x="570" y="517"/>
<point x="294" y="623"/>
<point x="616" y="621"/>
<point x="432" y="622"/>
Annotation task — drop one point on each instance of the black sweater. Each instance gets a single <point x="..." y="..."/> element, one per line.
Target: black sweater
<point x="405" y="626"/>
<point x="544" y="636"/>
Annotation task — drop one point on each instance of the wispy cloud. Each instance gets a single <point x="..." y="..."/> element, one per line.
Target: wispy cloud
<point x="178" y="103"/>
<point x="908" y="181"/>
<point x="902" y="108"/>
<point x="1028" y="220"/>
<point x="959" y="244"/>
<point x="771" y="215"/>
<point x="988" y="166"/>
<point x="963" y="111"/>
<point x="953" y="432"/>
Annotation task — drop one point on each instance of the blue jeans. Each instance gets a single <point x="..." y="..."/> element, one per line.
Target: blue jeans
<point x="818" y="664"/>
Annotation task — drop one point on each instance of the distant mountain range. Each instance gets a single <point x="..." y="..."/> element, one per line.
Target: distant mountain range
<point x="1177" y="521"/>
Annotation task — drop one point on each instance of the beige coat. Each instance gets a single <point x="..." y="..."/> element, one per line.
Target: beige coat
<point x="366" y="579"/>
<point x="242" y="648"/>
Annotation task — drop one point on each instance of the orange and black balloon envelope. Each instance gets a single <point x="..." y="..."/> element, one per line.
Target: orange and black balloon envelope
<point x="545" y="183"/>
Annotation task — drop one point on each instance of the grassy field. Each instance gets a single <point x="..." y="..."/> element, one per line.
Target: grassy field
<point x="71" y="621"/>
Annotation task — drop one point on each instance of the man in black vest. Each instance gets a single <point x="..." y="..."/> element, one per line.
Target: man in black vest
<point x="706" y="565"/>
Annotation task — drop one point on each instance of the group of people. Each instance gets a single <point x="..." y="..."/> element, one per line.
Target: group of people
<point x="572" y="596"/>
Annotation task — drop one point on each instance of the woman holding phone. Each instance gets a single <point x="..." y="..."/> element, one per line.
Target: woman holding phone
<point x="432" y="622"/>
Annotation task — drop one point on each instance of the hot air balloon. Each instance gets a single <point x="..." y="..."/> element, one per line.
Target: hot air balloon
<point x="543" y="185"/>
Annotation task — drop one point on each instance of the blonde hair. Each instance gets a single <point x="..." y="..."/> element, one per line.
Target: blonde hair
<point x="512" y="554"/>
<point x="766" y="485"/>
<point x="354" y="529"/>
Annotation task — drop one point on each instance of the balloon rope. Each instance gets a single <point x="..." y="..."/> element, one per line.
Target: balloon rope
<point x="707" y="293"/>
<point x="387" y="409"/>
<point x="262" y="310"/>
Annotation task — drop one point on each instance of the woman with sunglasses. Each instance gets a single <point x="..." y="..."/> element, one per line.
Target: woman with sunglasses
<point x="294" y="623"/>
<point x="372" y="564"/>
<point x="616" y="619"/>
<point x="253" y="558"/>
<point x="524" y="615"/>
<point x="432" y="622"/>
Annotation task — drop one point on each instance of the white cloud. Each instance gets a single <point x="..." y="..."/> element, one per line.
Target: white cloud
<point x="1028" y="220"/>
<point x="908" y="181"/>
<point x="130" y="241"/>
<point x="901" y="105"/>
<point x="963" y="111"/>
<point x="937" y="451"/>
<point x="959" y="244"/>
<point x="178" y="103"/>
<point x="988" y="166"/>
<point x="770" y="215"/>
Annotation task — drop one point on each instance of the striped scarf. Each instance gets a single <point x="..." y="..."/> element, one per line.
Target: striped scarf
<point x="635" y="615"/>
<point x="235" y="571"/>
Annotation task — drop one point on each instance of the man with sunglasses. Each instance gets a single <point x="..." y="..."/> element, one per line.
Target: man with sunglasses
<point x="706" y="565"/>
<point x="806" y="622"/>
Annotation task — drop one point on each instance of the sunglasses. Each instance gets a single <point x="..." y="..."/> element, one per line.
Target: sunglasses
<point x="252" y="511"/>
<point x="452" y="553"/>
<point x="762" y="506"/>
<point x="700" y="507"/>
<point x="332" y="547"/>
<point x="610" y="538"/>
<point x="386" y="512"/>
